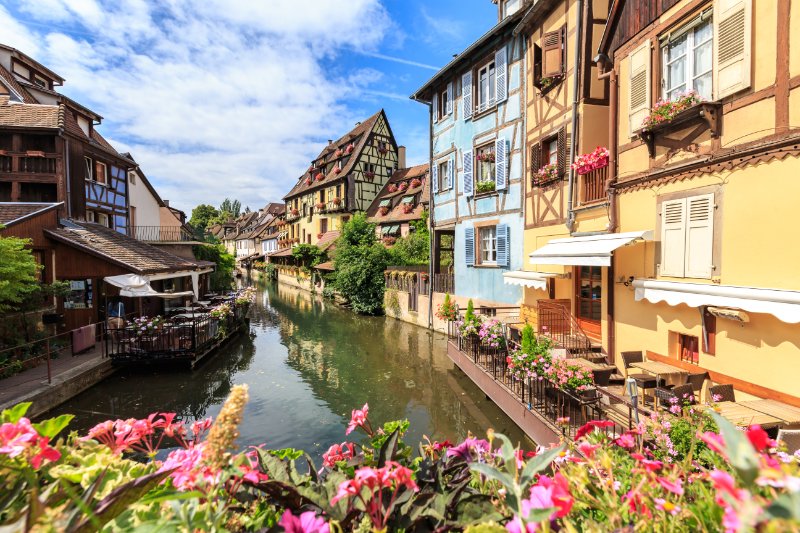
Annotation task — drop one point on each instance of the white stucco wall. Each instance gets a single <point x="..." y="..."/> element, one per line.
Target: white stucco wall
<point x="147" y="208"/>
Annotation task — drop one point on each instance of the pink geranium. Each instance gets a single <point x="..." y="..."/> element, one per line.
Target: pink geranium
<point x="358" y="418"/>
<point x="675" y="487"/>
<point x="21" y="439"/>
<point x="591" y="425"/>
<point x="307" y="522"/>
<point x="338" y="452"/>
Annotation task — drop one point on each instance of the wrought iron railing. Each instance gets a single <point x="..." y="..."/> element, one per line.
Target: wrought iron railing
<point x="162" y="234"/>
<point x="593" y="185"/>
<point x="556" y="322"/>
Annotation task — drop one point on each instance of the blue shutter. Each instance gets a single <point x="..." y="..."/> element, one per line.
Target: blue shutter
<point x="502" y="245"/>
<point x="466" y="94"/>
<point x="435" y="106"/>
<point x="469" y="246"/>
<point x="468" y="184"/>
<point x="451" y="169"/>
<point x="501" y="75"/>
<point x="501" y="164"/>
<point x="449" y="98"/>
<point x="435" y="177"/>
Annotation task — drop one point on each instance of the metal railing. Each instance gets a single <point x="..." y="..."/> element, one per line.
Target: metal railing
<point x="556" y="322"/>
<point x="29" y="164"/>
<point x="593" y="185"/>
<point x="162" y="234"/>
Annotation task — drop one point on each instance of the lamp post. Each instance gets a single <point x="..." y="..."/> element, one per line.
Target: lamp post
<point x="633" y="391"/>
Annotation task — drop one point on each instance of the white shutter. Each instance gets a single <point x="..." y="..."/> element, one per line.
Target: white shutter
<point x="501" y="75"/>
<point x="451" y="169"/>
<point x="732" y="42"/>
<point x="435" y="106"/>
<point x="673" y="237"/>
<point x="500" y="164"/>
<point x="502" y="245"/>
<point x="699" y="236"/>
<point x="449" y="98"/>
<point x="435" y="177"/>
<point x="466" y="94"/>
<point x="468" y="183"/>
<point x="639" y="81"/>
<point x="469" y="246"/>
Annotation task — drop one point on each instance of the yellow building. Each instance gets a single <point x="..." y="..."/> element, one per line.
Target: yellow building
<point x="343" y="179"/>
<point x="705" y="193"/>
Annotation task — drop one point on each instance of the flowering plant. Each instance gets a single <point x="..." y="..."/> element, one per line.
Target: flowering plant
<point x="570" y="377"/>
<point x="403" y="186"/>
<point x="337" y="201"/>
<point x="416" y="182"/>
<point x="319" y="177"/>
<point x="665" y="110"/>
<point x="486" y="157"/>
<point x="221" y="311"/>
<point x="447" y="310"/>
<point x="349" y="149"/>
<point x="585" y="163"/>
<point x="337" y="169"/>
<point x="246" y="296"/>
<point x="295" y="212"/>
<point x="392" y="187"/>
<point x="144" y="325"/>
<point x="338" y="153"/>
<point x="546" y="174"/>
<point x="319" y="235"/>
<point x="320" y="205"/>
<point x="369" y="174"/>
<point x="492" y="333"/>
<point x="408" y="208"/>
<point x="389" y="240"/>
<point x="383" y="210"/>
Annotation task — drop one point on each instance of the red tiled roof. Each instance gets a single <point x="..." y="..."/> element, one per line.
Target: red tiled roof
<point x="10" y="80"/>
<point x="327" y="240"/>
<point x="14" y="212"/>
<point x="396" y="213"/>
<point x="327" y="265"/>
<point x="30" y="115"/>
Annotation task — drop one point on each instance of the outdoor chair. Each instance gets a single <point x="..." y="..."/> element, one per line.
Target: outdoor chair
<point x="697" y="381"/>
<point x="602" y="377"/>
<point x="683" y="393"/>
<point x="643" y="380"/>
<point x="790" y="438"/>
<point x="723" y="393"/>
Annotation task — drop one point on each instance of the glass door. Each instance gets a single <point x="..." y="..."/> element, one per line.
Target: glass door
<point x="588" y="301"/>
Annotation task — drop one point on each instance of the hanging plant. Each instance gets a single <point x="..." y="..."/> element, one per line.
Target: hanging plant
<point x="416" y="182"/>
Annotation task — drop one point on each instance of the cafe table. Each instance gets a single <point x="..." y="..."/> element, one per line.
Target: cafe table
<point x="672" y="375"/>
<point x="787" y="413"/>
<point x="585" y="363"/>
<point x="742" y="415"/>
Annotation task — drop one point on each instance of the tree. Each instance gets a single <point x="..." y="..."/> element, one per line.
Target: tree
<point x="308" y="255"/>
<point x="415" y="248"/>
<point x="222" y="277"/>
<point x="202" y="217"/>
<point x="234" y="207"/>
<point x="17" y="272"/>
<point x="360" y="261"/>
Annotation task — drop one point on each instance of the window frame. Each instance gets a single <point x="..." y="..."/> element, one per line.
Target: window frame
<point x="548" y="156"/>
<point x="687" y="31"/>
<point x="89" y="171"/>
<point x="442" y="111"/>
<point x="479" y="245"/>
<point x="491" y="71"/>
<point x="478" y="165"/>
<point x="98" y="165"/>
<point x="442" y="177"/>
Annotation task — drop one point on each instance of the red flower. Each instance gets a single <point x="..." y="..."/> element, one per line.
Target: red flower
<point x="714" y="441"/>
<point x="591" y="425"/>
<point x="357" y="419"/>
<point x="626" y="440"/>
<point x="588" y="449"/>
<point x="759" y="438"/>
<point x="675" y="487"/>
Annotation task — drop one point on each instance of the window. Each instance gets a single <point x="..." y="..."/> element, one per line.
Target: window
<point x="442" y="177"/>
<point x="486" y="86"/>
<point x="89" y="169"/>
<point x="339" y="191"/>
<point x="322" y="196"/>
<point x="133" y="215"/>
<point x="687" y="237"/>
<point x="485" y="164"/>
<point x="40" y="81"/>
<point x="384" y="203"/>
<point x="132" y="178"/>
<point x="590" y="288"/>
<point x="323" y="225"/>
<point x="550" y="151"/>
<point x="688" y="350"/>
<point x="101" y="172"/>
<point x="548" y="59"/>
<point x="488" y="245"/>
<point x="443" y="103"/>
<point x="80" y="295"/>
<point x="687" y="61"/>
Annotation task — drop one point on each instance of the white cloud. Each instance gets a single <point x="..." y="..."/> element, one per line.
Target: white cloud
<point x="215" y="98"/>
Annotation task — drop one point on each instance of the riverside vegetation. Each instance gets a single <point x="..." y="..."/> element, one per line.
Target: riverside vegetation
<point x="160" y="474"/>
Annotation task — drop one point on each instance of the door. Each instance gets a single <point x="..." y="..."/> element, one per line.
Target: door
<point x="588" y="301"/>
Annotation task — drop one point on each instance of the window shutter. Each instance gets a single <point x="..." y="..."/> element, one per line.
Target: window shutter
<point x="468" y="184"/>
<point x="732" y="36"/>
<point x="501" y="75"/>
<point x="639" y="95"/>
<point x="466" y="94"/>
<point x="536" y="156"/>
<point x="553" y="55"/>
<point x="469" y="246"/>
<point x="449" y="98"/>
<point x="435" y="177"/>
<point x="561" y="156"/>
<point x="451" y="169"/>
<point x="699" y="236"/>
<point x="435" y="105"/>
<point x="500" y="164"/>
<point x="673" y="237"/>
<point x="502" y="245"/>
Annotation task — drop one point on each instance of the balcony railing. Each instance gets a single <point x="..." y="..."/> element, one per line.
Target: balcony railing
<point x="162" y="234"/>
<point x="28" y="163"/>
<point x="593" y="185"/>
<point x="556" y="322"/>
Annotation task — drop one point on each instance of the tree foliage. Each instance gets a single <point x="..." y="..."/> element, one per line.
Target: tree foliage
<point x="17" y="272"/>
<point x="360" y="261"/>
<point x="413" y="249"/>
<point x="234" y="207"/>
<point x="222" y="277"/>
<point x="308" y="255"/>
<point x="202" y="217"/>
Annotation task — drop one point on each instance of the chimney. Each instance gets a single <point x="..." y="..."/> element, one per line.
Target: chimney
<point x="401" y="157"/>
<point x="166" y="203"/>
<point x="330" y="141"/>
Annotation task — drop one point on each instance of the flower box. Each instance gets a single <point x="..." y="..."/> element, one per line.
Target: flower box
<point x="308" y="181"/>
<point x="319" y="235"/>
<point x="349" y="149"/>
<point x="483" y="187"/>
<point x="337" y="202"/>
<point x="403" y="186"/>
<point x="671" y="115"/>
<point x="416" y="182"/>
<point x="586" y="163"/>
<point x="383" y="211"/>
<point x="320" y="205"/>
<point x="548" y="83"/>
<point x="392" y="187"/>
<point x="336" y="170"/>
<point x="369" y="175"/>
<point x="407" y="208"/>
<point x="338" y="153"/>
<point x="295" y="212"/>
<point x="546" y="174"/>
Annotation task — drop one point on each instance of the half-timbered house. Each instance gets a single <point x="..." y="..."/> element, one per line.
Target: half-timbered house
<point x="402" y="200"/>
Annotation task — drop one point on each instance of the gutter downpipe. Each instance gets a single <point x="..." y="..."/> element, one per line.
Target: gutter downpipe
<point x="430" y="208"/>
<point x="576" y="84"/>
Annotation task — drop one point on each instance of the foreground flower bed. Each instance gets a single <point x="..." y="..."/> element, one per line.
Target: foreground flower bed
<point x="654" y="478"/>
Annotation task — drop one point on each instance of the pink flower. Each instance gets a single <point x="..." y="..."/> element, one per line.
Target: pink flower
<point x="338" y="452"/>
<point x="724" y="483"/>
<point x="714" y="441"/>
<point x="307" y="522"/>
<point x="357" y="419"/>
<point x="669" y="507"/>
<point x="591" y="425"/>
<point x="587" y="449"/>
<point x="675" y="487"/>
<point x="626" y="440"/>
<point x="22" y="439"/>
<point x="759" y="438"/>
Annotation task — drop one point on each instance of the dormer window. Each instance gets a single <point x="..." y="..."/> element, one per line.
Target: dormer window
<point x="40" y="81"/>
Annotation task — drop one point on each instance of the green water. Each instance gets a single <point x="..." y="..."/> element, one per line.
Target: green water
<point x="308" y="363"/>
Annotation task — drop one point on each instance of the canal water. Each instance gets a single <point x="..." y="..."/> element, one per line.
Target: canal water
<point x="308" y="363"/>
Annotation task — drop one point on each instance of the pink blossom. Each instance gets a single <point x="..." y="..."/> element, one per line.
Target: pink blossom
<point x="22" y="439"/>
<point x="675" y="487"/>
<point x="587" y="449"/>
<point x="357" y="419"/>
<point x="338" y="452"/>
<point x="591" y="425"/>
<point x="626" y="440"/>
<point x="307" y="522"/>
<point x="759" y="438"/>
<point x="714" y="441"/>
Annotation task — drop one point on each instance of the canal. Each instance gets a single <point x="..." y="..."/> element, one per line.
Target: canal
<point x="308" y="362"/>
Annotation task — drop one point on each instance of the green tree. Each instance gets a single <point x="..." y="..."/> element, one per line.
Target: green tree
<point x="234" y="207"/>
<point x="528" y="341"/>
<point x="222" y="277"/>
<point x="308" y="255"/>
<point x="415" y="248"/>
<point x="360" y="261"/>
<point x="202" y="217"/>
<point x="17" y="272"/>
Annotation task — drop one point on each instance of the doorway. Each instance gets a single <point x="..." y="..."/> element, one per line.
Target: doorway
<point x="588" y="299"/>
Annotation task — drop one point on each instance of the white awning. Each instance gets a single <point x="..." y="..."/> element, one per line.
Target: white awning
<point x="534" y="280"/>
<point x="133" y="285"/>
<point x="784" y="305"/>
<point x="592" y="250"/>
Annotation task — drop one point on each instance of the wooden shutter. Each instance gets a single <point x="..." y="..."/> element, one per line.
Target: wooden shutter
<point x="553" y="55"/>
<point x="449" y="98"/>
<point x="536" y="157"/>
<point x="500" y="164"/>
<point x="435" y="105"/>
<point x="561" y="156"/>
<point x="501" y="75"/>
<point x="469" y="246"/>
<point x="468" y="183"/>
<point x="673" y="237"/>
<point x="732" y="42"/>
<point x="466" y="94"/>
<point x="451" y="169"/>
<point x="435" y="177"/>
<point x="699" y="236"/>
<point x="99" y="172"/>
<point x="502" y="245"/>
<point x="639" y="89"/>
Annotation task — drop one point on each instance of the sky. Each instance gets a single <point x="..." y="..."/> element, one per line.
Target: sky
<point x="234" y="98"/>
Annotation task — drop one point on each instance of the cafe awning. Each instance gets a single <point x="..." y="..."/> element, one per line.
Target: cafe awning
<point x="136" y="286"/>
<point x="784" y="305"/>
<point x="534" y="280"/>
<point x="591" y="250"/>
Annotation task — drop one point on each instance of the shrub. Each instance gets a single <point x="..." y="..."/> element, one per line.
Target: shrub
<point x="360" y="261"/>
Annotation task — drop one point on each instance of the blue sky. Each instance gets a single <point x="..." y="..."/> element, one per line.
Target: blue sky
<point x="234" y="97"/>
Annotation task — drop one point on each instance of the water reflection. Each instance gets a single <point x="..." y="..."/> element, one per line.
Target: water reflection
<point x="308" y="363"/>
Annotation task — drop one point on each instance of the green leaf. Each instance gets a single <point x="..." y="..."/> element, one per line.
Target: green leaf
<point x="786" y="507"/>
<point x="13" y="415"/>
<point x="53" y="426"/>
<point x="388" y="449"/>
<point x="741" y="453"/>
<point x="275" y="468"/>
<point x="539" y="463"/>
<point x="495" y="474"/>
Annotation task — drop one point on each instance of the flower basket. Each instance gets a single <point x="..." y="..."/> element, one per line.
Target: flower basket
<point x="408" y="209"/>
<point x="424" y="277"/>
<point x="349" y="149"/>
<point x="338" y="153"/>
<point x="665" y="110"/>
<point x="295" y="212"/>
<point x="320" y="206"/>
<point x="486" y="157"/>
<point x="546" y="174"/>
<point x="403" y="186"/>
<point x="485" y="187"/>
<point x="369" y="175"/>
<point x="320" y="176"/>
<point x="594" y="160"/>
<point x="383" y="211"/>
<point x="392" y="187"/>
<point x="416" y="182"/>
<point x="337" y="202"/>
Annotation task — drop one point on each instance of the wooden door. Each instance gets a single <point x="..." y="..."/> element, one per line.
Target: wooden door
<point x="588" y="299"/>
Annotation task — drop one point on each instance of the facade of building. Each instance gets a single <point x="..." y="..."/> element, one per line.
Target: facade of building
<point x="343" y="179"/>
<point x="477" y="111"/>
<point x="403" y="200"/>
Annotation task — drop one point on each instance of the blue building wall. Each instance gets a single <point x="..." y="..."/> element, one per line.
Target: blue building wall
<point x="453" y="135"/>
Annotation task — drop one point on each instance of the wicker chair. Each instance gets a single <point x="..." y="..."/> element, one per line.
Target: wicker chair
<point x="791" y="438"/>
<point x="602" y="377"/>
<point x="724" y="392"/>
<point x="684" y="394"/>
<point x="643" y="380"/>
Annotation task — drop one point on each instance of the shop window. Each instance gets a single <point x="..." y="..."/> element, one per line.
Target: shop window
<point x="80" y="295"/>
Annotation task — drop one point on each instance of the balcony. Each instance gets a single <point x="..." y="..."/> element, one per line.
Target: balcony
<point x="593" y="186"/>
<point x="153" y="234"/>
<point x="28" y="166"/>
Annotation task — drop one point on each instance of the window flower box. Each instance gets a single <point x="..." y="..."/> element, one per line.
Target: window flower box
<point x="337" y="169"/>
<point x="585" y="163"/>
<point x="483" y="187"/>
<point x="667" y="115"/>
<point x="408" y="209"/>
<point x="403" y="186"/>
<point x="416" y="182"/>
<point x="369" y="175"/>
<point x="349" y="149"/>
<point x="546" y="174"/>
<point x="337" y="202"/>
<point x="392" y="187"/>
<point x="320" y="176"/>
<point x="320" y="206"/>
<point x="338" y="153"/>
<point x="383" y="211"/>
<point x="295" y="212"/>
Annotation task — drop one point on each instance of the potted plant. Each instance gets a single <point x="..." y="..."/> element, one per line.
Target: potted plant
<point x="295" y="212"/>
<point x="349" y="149"/>
<point x="392" y="187"/>
<point x="666" y="110"/>
<point x="383" y="210"/>
<point x="416" y="182"/>
<point x="546" y="174"/>
<point x="308" y="180"/>
<point x="484" y="187"/>
<point x="337" y="201"/>
<point x="337" y="169"/>
<point x="596" y="159"/>
<point x="319" y="176"/>
<point x="338" y="153"/>
<point x="319" y="235"/>
<point x="320" y="206"/>
<point x="403" y="186"/>
<point x="408" y="208"/>
<point x="370" y="175"/>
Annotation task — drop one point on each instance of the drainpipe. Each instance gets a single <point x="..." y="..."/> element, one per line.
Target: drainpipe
<point x="576" y="85"/>
<point x="430" y="208"/>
